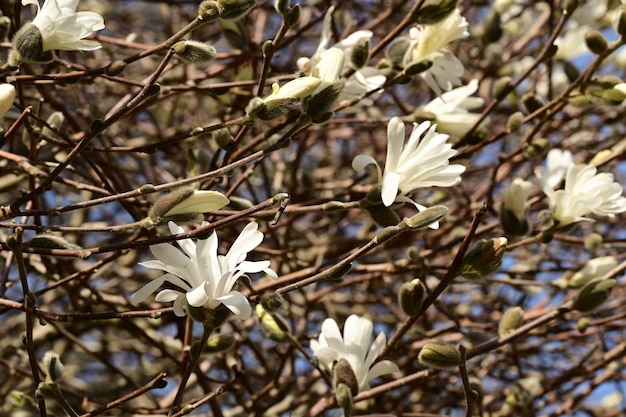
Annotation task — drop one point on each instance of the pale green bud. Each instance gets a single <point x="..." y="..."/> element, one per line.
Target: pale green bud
<point x="418" y="67"/>
<point x="46" y="390"/>
<point x="55" y="121"/>
<point x="52" y="366"/>
<point x="484" y="258"/>
<point x="596" y="42"/>
<point x="511" y="320"/>
<point x="537" y="148"/>
<point x="426" y="217"/>
<point x="593" y="295"/>
<point x="502" y="88"/>
<point x="274" y="325"/>
<point x="223" y="138"/>
<point x="52" y="242"/>
<point x="193" y="51"/>
<point x="219" y="343"/>
<point x="532" y="102"/>
<point x="281" y="6"/>
<point x="209" y="10"/>
<point x="593" y="241"/>
<point x="593" y="269"/>
<point x="433" y="11"/>
<point x="343" y="374"/>
<point x="344" y="399"/>
<point x="396" y="51"/>
<point x="515" y="122"/>
<point x="411" y="297"/>
<point x="582" y="325"/>
<point x="439" y="356"/>
<point x="235" y="9"/>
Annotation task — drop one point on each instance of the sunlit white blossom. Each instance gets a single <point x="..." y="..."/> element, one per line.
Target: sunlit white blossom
<point x="557" y="163"/>
<point x="420" y="162"/>
<point x="201" y="277"/>
<point x="585" y="191"/>
<point x="63" y="28"/>
<point x="514" y="198"/>
<point x="450" y="110"/>
<point x="354" y="346"/>
<point x="7" y="95"/>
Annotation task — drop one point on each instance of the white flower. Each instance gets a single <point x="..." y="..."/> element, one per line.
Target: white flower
<point x="429" y="42"/>
<point x="450" y="110"/>
<point x="423" y="161"/>
<point x="202" y="277"/>
<point x="593" y="269"/>
<point x="354" y="346"/>
<point x="514" y="198"/>
<point x="7" y="95"/>
<point x="63" y="28"/>
<point x="585" y="192"/>
<point x="295" y="89"/>
<point x="328" y="68"/>
<point x="557" y="163"/>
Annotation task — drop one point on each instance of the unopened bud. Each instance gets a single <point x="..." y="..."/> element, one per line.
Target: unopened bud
<point x="46" y="390"/>
<point x="223" y="138"/>
<point x="28" y="43"/>
<point x="274" y="325"/>
<point x="115" y="68"/>
<point x="344" y="374"/>
<point x="433" y="11"/>
<point x="593" y="269"/>
<point x="593" y="295"/>
<point x="271" y="301"/>
<point x="596" y="42"/>
<point x="411" y="297"/>
<point x="570" y="6"/>
<point x="426" y="217"/>
<point x="5" y="26"/>
<point x="208" y="10"/>
<point x="593" y="241"/>
<point x="515" y="122"/>
<point x="235" y="9"/>
<point x="619" y="22"/>
<point x="484" y="258"/>
<point x="418" y="67"/>
<point x="532" y="102"/>
<point x="319" y="107"/>
<point x="293" y="16"/>
<point x="582" y="325"/>
<point x="52" y="242"/>
<point x="492" y="29"/>
<point x="502" y="88"/>
<point x="439" y="356"/>
<point x="281" y="6"/>
<point x="219" y="343"/>
<point x="537" y="148"/>
<point x="344" y="398"/>
<point x="193" y="51"/>
<point x="52" y="366"/>
<point x="360" y="53"/>
<point x="396" y="51"/>
<point x="511" y="320"/>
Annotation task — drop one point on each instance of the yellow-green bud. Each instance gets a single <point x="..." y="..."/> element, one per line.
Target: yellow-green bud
<point x="593" y="241"/>
<point x="537" y="148"/>
<point x="502" y="88"/>
<point x="219" y="343"/>
<point x="427" y="217"/>
<point x="439" y="356"/>
<point x="582" y="325"/>
<point x="235" y="9"/>
<point x="52" y="366"/>
<point x="532" y="102"/>
<point x="320" y="105"/>
<point x="593" y="269"/>
<point x="274" y="325"/>
<point x="433" y="11"/>
<point x="418" y="67"/>
<point x="596" y="42"/>
<point x="483" y="258"/>
<point x="411" y="297"/>
<point x="511" y="320"/>
<point x="360" y="53"/>
<point x="46" y="390"/>
<point x="267" y="48"/>
<point x="515" y="122"/>
<point x="281" y="6"/>
<point x="344" y="374"/>
<point x="193" y="51"/>
<point x="593" y="295"/>
<point x="344" y="399"/>
<point x="208" y="10"/>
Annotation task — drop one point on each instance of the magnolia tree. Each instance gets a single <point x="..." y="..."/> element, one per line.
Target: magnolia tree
<point x="376" y="208"/>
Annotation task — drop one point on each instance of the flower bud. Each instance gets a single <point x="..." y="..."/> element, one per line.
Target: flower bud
<point x="187" y="201"/>
<point x="515" y="122"/>
<point x="536" y="148"/>
<point x="426" y="217"/>
<point x="274" y="325"/>
<point x="344" y="398"/>
<point x="433" y="11"/>
<point x="271" y="301"/>
<point x="293" y="16"/>
<point x="193" y="51"/>
<point x="411" y="297"/>
<point x="502" y="88"/>
<point x="513" y="213"/>
<point x="319" y="107"/>
<point x="570" y="6"/>
<point x="593" y="269"/>
<point x="483" y="258"/>
<point x="532" y="102"/>
<point x="593" y="241"/>
<point x="52" y="242"/>
<point x="46" y="390"/>
<point x="439" y="356"/>
<point x="396" y="51"/>
<point x="593" y="295"/>
<point x="343" y="374"/>
<point x="219" y="343"/>
<point x="282" y="99"/>
<point x="208" y="10"/>
<point x="582" y="325"/>
<point x="418" y="67"/>
<point x="52" y="366"/>
<point x="619" y="21"/>
<point x="223" y="138"/>
<point x="360" y="53"/>
<point x="281" y="6"/>
<point x="115" y="68"/>
<point x="596" y="42"/>
<point x="5" y="26"/>
<point x="235" y="9"/>
<point x="492" y="27"/>
<point x="511" y="320"/>
<point x="28" y="43"/>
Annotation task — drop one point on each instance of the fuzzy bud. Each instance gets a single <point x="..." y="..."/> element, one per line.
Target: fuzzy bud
<point x="52" y="242"/>
<point x="219" y="343"/>
<point x="532" y="102"/>
<point x="360" y="53"/>
<point x="235" y="9"/>
<point x="271" y="301"/>
<point x="319" y="107"/>
<point x="593" y="295"/>
<point x="187" y="201"/>
<point x="411" y="297"/>
<point x="484" y="258"/>
<point x="619" y="21"/>
<point x="426" y="218"/>
<point x="515" y="122"/>
<point x="396" y="51"/>
<point x="433" y="11"/>
<point x="582" y="325"/>
<point x="593" y="241"/>
<point x="344" y="374"/>
<point x="537" y="148"/>
<point x="274" y="325"/>
<point x="193" y="51"/>
<point x="52" y="366"/>
<point x="439" y="356"/>
<point x="223" y="138"/>
<point x="596" y="42"/>
<point x="511" y="320"/>
<point x="418" y="67"/>
<point x="46" y="390"/>
<point x="502" y="88"/>
<point x="593" y="269"/>
<point x="115" y="68"/>
<point x="28" y="43"/>
<point x="344" y="398"/>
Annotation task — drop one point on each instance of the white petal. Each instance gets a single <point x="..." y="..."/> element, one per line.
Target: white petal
<point x="382" y="368"/>
<point x="167" y="295"/>
<point x="391" y="183"/>
<point x="197" y="297"/>
<point x="395" y="143"/>
<point x="237" y="303"/>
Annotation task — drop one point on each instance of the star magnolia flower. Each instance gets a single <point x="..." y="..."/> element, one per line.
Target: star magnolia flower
<point x="7" y="95"/>
<point x="450" y="110"/>
<point x="63" y="28"/>
<point x="514" y="198"/>
<point x="423" y="161"/>
<point x="557" y="163"/>
<point x="585" y="192"/>
<point x="202" y="277"/>
<point x="354" y="346"/>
